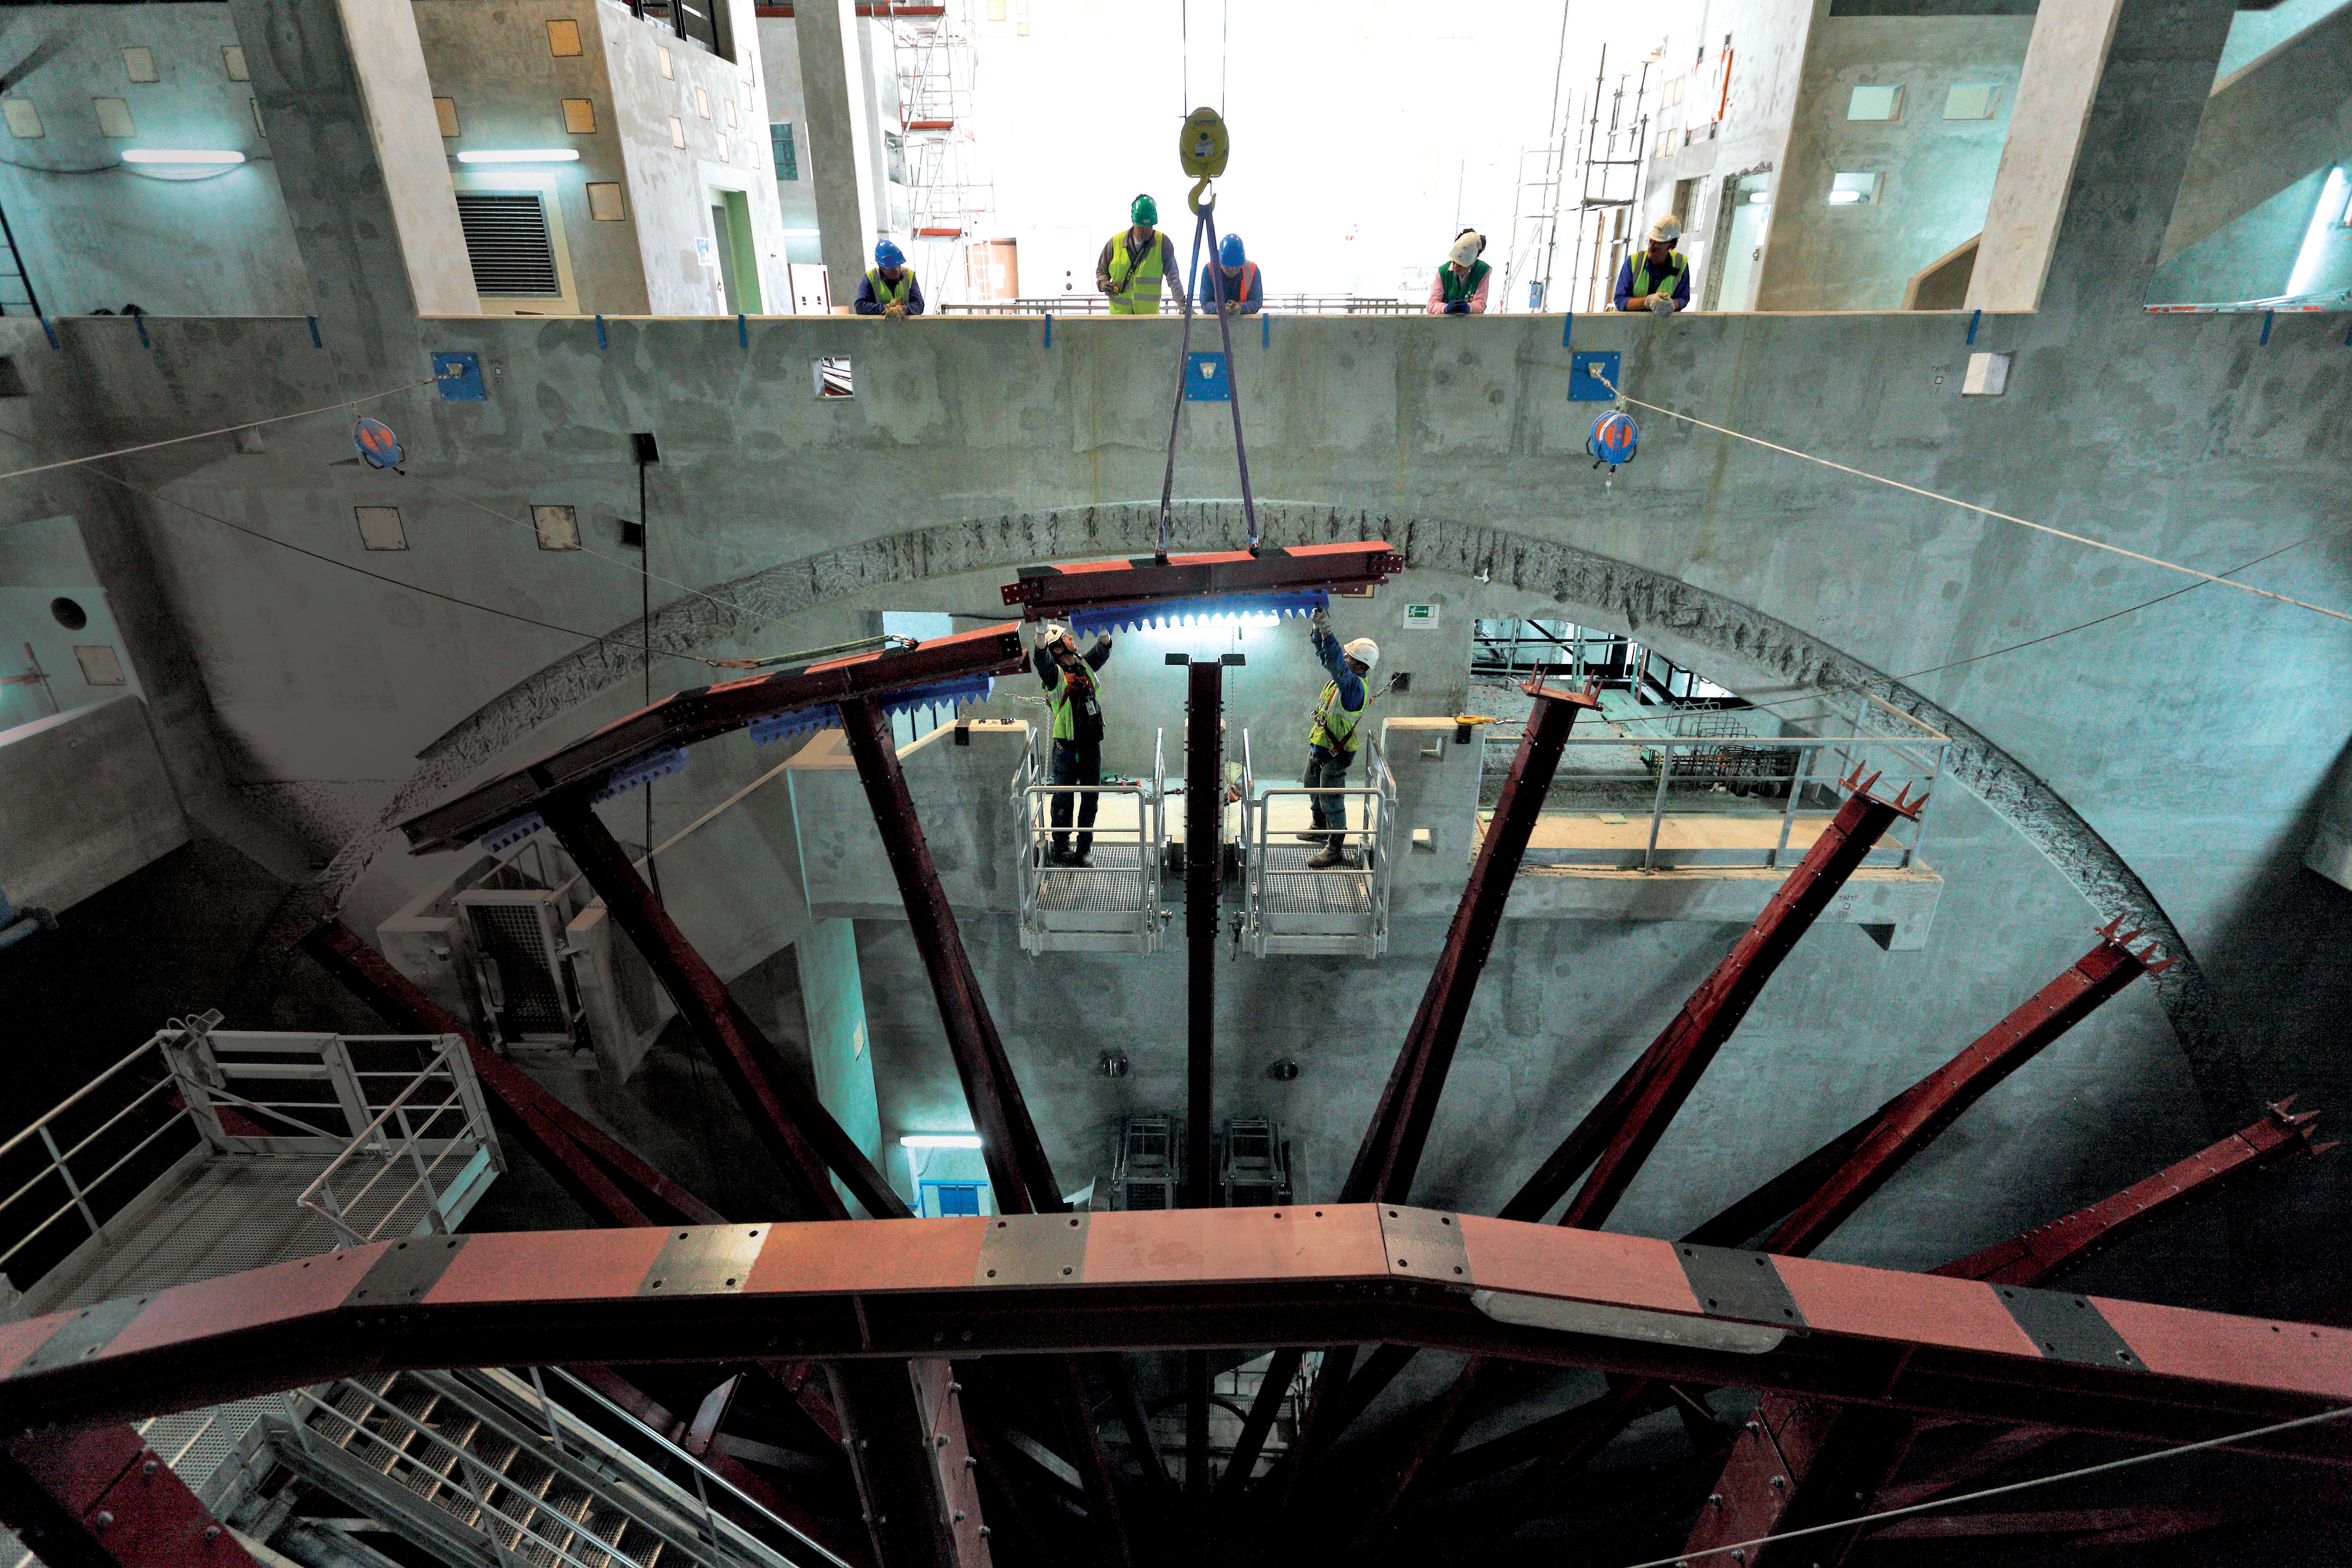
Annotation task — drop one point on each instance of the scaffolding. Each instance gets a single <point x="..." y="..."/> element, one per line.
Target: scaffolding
<point x="1612" y="149"/>
<point x="949" y="191"/>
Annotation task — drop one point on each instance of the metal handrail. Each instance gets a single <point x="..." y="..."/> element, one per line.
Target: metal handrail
<point x="81" y="1192"/>
<point x="76" y="1097"/>
<point x="370" y="1141"/>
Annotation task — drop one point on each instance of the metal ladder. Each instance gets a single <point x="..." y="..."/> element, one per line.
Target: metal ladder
<point x="16" y="296"/>
<point x="482" y="1470"/>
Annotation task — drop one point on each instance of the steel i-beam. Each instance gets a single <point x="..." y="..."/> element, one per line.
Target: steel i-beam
<point x="1389" y="1154"/>
<point x="1802" y="1462"/>
<point x="1204" y="870"/>
<point x="103" y="1499"/>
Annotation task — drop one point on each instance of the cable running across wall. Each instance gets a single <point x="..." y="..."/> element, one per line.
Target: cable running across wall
<point x="225" y="430"/>
<point x="1971" y="506"/>
<point x="1691" y="1559"/>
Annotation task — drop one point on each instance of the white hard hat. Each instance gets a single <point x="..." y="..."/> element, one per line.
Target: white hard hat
<point x="1052" y="632"/>
<point x="1466" y="247"/>
<point x="1365" y="651"/>
<point x="1668" y="229"/>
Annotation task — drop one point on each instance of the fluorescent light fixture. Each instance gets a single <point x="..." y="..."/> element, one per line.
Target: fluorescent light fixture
<point x="524" y="156"/>
<point x="174" y="155"/>
<point x="941" y="1140"/>
<point x="2311" y="257"/>
<point x="1628" y="1324"/>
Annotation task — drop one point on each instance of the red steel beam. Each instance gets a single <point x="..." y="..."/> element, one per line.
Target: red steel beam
<point x="1684" y="1052"/>
<point x="1017" y="1166"/>
<point x="585" y="1161"/>
<point x="686" y="717"/>
<point x="102" y="1499"/>
<point x="1186" y="1278"/>
<point x="1813" y="1197"/>
<point x="798" y="1132"/>
<point x="1390" y="1155"/>
<point x="1044" y="592"/>
<point x="1802" y="1462"/>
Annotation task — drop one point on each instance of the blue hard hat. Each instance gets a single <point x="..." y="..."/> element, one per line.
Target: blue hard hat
<point x="1229" y="252"/>
<point x="888" y="254"/>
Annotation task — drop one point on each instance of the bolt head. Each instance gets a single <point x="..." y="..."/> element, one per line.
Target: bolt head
<point x="1715" y="1499"/>
<point x="212" y="1533"/>
<point x="149" y="1468"/>
<point x="983" y="1532"/>
<point x="1779" y="1483"/>
<point x="1755" y="1426"/>
<point x="103" y="1519"/>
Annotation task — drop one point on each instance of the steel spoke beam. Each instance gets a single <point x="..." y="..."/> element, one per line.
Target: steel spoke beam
<point x="1390" y="1155"/>
<point x="102" y="1499"/>
<point x="1042" y="592"/>
<point x="1828" y="1461"/>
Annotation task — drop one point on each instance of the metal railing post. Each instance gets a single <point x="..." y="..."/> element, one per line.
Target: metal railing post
<point x="57" y="1163"/>
<point x="434" y="1225"/>
<point x="1658" y="806"/>
<point x="1796" y="793"/>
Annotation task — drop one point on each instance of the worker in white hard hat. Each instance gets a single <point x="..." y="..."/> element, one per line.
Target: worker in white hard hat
<point x="1331" y="743"/>
<point x="1459" y="287"/>
<point x="1073" y="683"/>
<point x="1658" y="277"/>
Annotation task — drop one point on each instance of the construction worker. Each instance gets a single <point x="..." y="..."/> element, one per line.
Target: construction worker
<point x="1135" y="260"/>
<point x="1459" y="287"/>
<point x="889" y="288"/>
<point x="1658" y="279"/>
<point x="1245" y="288"/>
<point x="1331" y="743"/>
<point x="1073" y="683"/>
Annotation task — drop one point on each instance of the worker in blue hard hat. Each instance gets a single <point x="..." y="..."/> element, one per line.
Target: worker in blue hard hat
<point x="1134" y="261"/>
<point x="889" y="288"/>
<point x="1236" y="277"/>
<point x="1331" y="743"/>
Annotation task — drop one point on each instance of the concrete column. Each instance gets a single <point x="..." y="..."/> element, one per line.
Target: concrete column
<point x="832" y="1000"/>
<point x="2063" y="62"/>
<point x="349" y="113"/>
<point x="840" y="156"/>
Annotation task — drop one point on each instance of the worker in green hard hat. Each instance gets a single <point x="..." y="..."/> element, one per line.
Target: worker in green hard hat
<point x="1134" y="261"/>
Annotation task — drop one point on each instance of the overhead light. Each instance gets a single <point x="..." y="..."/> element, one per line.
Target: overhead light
<point x="941" y="1140"/>
<point x="524" y="156"/>
<point x="1844" y="198"/>
<point x="175" y="155"/>
<point x="1628" y="1324"/>
<point x="1756" y="196"/>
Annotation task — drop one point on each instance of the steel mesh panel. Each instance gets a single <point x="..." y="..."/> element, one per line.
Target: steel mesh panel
<point x="1291" y="889"/>
<point x="1112" y="886"/>
<point x="510" y="937"/>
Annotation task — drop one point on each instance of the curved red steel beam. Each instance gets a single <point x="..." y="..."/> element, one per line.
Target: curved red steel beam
<point x="1187" y="1279"/>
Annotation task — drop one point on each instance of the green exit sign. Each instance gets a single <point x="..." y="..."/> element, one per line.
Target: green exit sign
<point x="1421" y="617"/>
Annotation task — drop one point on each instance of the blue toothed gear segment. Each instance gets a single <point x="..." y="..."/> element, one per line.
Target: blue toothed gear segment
<point x="1225" y="608"/>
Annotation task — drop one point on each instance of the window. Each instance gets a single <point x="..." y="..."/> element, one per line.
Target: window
<point x="1972" y="101"/>
<point x="101" y="664"/>
<point x="1987" y="376"/>
<point x="563" y="37"/>
<point x="579" y="117"/>
<point x="702" y="103"/>
<point x="1855" y="190"/>
<point x="23" y="119"/>
<point x="445" y="109"/>
<point x="138" y="65"/>
<point x="605" y="201"/>
<point x="113" y="117"/>
<point x="832" y="376"/>
<point x="779" y="142"/>
<point x="1882" y="103"/>
<point x="557" y="526"/>
<point x="722" y="151"/>
<point x="233" y="62"/>
<point x="258" y="127"/>
<point x="955" y="1197"/>
<point x="665" y="70"/>
<point x="507" y="241"/>
<point x="677" y="132"/>
<point x="996" y="10"/>
<point x="380" y="525"/>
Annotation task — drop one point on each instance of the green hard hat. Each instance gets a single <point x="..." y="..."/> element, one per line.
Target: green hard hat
<point x="1144" y="211"/>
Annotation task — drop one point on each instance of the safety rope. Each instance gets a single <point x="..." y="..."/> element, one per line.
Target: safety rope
<point x="1971" y="506"/>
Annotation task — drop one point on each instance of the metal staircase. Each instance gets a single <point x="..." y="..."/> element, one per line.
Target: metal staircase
<point x="482" y="1470"/>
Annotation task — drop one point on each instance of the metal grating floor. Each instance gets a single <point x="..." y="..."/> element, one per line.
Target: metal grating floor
<point x="1112" y="885"/>
<point x="1291" y="889"/>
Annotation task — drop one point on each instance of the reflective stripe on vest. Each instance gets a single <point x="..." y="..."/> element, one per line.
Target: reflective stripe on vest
<point x="1459" y="287"/>
<point x="887" y="292"/>
<point x="1335" y="726"/>
<point x="1676" y="265"/>
<point x="1135" y="286"/>
<point x="1065" y="726"/>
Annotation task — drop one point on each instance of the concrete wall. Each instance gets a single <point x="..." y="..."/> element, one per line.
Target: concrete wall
<point x="780" y="68"/>
<point x="1937" y="174"/>
<point x="84" y="801"/>
<point x="94" y="233"/>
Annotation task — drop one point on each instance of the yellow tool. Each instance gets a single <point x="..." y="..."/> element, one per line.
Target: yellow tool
<point x="1202" y="145"/>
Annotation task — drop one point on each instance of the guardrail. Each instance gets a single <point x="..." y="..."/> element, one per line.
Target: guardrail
<point x="1372" y="814"/>
<point x="458" y="1124"/>
<point x="1033" y="834"/>
<point x="1275" y="305"/>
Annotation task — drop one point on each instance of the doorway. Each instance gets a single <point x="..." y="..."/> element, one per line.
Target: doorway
<point x="1749" y="198"/>
<point x="739" y="258"/>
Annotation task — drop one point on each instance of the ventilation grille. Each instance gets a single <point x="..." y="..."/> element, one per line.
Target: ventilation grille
<point x="505" y="239"/>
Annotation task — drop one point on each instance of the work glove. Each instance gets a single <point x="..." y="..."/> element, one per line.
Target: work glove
<point x="1458" y="307"/>
<point x="1321" y="620"/>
